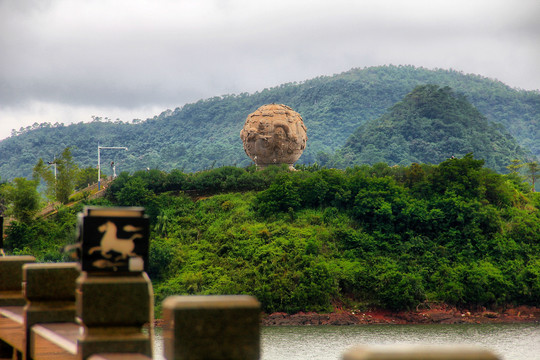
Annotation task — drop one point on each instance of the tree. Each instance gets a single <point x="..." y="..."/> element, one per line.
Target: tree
<point x="43" y="171"/>
<point x="134" y="193"/>
<point x="3" y="200"/>
<point x="414" y="174"/>
<point x="460" y="175"/>
<point x="61" y="185"/>
<point x="23" y="199"/>
<point x="515" y="166"/>
<point x="86" y="177"/>
<point x="533" y="170"/>
<point x="67" y="170"/>
<point x="281" y="196"/>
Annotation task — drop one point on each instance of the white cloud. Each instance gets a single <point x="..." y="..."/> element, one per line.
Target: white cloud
<point x="62" y="58"/>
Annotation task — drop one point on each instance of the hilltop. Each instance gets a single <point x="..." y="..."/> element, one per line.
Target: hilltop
<point x="429" y="125"/>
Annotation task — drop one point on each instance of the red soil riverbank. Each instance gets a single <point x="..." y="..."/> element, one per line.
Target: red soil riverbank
<point x="439" y="314"/>
<point x="434" y="314"/>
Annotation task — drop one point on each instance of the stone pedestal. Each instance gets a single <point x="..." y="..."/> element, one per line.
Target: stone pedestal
<point x="113" y="310"/>
<point x="211" y="327"/>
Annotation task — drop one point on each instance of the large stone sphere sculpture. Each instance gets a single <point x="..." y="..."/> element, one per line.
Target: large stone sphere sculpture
<point x="274" y="134"/>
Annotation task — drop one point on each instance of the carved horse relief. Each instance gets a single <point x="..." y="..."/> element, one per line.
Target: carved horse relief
<point x="111" y="242"/>
<point x="113" y="239"/>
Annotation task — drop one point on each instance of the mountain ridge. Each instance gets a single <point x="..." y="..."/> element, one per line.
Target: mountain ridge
<point x="204" y="134"/>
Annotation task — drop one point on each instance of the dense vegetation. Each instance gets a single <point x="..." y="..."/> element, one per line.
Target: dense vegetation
<point x="429" y="125"/>
<point x="206" y="134"/>
<point x="367" y="236"/>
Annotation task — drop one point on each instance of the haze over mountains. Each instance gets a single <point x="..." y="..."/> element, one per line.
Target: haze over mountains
<point x="205" y="134"/>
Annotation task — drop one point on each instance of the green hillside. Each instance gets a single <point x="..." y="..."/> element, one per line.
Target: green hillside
<point x="430" y="125"/>
<point x="368" y="236"/>
<point x="206" y="133"/>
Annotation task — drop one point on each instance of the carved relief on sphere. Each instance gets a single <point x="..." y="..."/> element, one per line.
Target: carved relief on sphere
<point x="274" y="134"/>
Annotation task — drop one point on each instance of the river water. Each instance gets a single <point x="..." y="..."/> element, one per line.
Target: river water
<point x="508" y="341"/>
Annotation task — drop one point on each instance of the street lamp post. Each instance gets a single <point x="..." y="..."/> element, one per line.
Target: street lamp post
<point x="99" y="159"/>
<point x="53" y="163"/>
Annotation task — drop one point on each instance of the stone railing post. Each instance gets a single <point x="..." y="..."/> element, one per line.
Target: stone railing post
<point x="11" y="295"/>
<point x="113" y="311"/>
<point x="114" y="295"/>
<point x="211" y="327"/>
<point x="50" y="293"/>
<point x="1" y="235"/>
<point x="11" y="276"/>
<point x="415" y="352"/>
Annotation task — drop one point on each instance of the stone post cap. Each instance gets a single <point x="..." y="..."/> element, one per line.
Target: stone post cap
<point x="11" y="271"/>
<point x="50" y="266"/>
<point x="213" y="327"/>
<point x="50" y="281"/>
<point x="415" y="352"/>
<point x="211" y="302"/>
<point x="18" y="258"/>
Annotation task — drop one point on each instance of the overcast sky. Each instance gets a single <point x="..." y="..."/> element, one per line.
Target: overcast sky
<point x="66" y="60"/>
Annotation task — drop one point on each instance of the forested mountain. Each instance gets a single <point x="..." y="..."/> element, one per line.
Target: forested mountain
<point x="206" y="133"/>
<point x="430" y="125"/>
